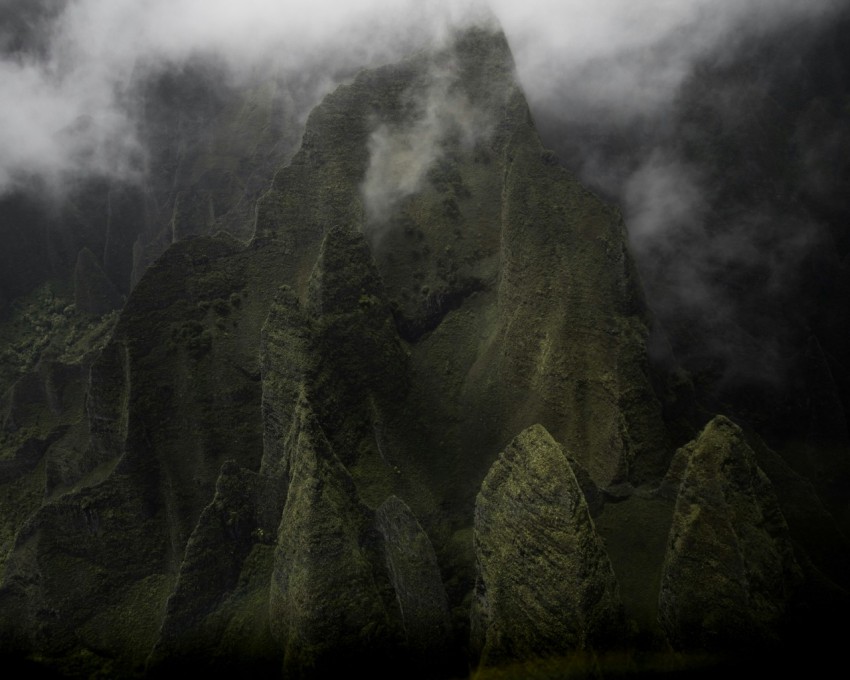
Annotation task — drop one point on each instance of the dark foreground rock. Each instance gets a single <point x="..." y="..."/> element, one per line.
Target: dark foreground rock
<point x="730" y="569"/>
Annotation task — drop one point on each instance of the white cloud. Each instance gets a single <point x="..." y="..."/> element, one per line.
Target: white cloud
<point x="626" y="58"/>
<point x="59" y="113"/>
<point x="401" y="156"/>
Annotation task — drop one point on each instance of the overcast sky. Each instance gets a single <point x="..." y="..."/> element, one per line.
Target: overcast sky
<point x="59" y="111"/>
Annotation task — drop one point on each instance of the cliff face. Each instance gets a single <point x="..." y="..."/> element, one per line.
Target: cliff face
<point x="210" y="149"/>
<point x="545" y="588"/>
<point x="274" y="456"/>
<point x="729" y="531"/>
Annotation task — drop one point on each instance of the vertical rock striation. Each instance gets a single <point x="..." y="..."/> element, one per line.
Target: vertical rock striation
<point x="730" y="569"/>
<point x="328" y="610"/>
<point x="285" y="437"/>
<point x="415" y="576"/>
<point x="545" y="587"/>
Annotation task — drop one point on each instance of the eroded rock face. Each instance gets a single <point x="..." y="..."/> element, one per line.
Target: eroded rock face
<point x="328" y="602"/>
<point x="545" y="585"/>
<point x="94" y="293"/>
<point x="342" y="357"/>
<point x="211" y="618"/>
<point x="582" y="352"/>
<point x="415" y="576"/>
<point x="730" y="568"/>
<point x="349" y="586"/>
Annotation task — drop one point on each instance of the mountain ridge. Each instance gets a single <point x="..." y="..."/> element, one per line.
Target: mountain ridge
<point x="274" y="419"/>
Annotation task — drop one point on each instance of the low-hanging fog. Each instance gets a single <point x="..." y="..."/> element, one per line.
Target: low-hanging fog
<point x="67" y="64"/>
<point x="625" y="92"/>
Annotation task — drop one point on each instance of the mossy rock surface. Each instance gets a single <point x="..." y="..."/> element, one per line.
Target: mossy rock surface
<point x="730" y="571"/>
<point x="257" y="401"/>
<point x="545" y="586"/>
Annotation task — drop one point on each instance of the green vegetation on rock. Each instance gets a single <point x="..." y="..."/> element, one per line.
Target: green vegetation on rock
<point x="283" y="452"/>
<point x="545" y="586"/>
<point x="730" y="537"/>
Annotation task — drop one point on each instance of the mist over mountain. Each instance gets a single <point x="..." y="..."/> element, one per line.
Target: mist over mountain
<point x="732" y="199"/>
<point x="618" y="91"/>
<point x="428" y="339"/>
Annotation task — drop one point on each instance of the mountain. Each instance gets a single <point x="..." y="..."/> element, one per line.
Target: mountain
<point x="392" y="402"/>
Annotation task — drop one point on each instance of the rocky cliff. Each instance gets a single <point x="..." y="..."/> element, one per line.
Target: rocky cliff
<point x="402" y="418"/>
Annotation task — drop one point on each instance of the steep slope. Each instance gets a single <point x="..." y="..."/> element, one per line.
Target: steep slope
<point x="728" y="531"/>
<point x="286" y="442"/>
<point x="736" y="192"/>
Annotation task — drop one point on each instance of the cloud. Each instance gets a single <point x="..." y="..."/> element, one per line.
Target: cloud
<point x="69" y="67"/>
<point x="663" y="190"/>
<point x="613" y="74"/>
<point x="400" y="156"/>
<point x="56" y="128"/>
<point x="621" y="58"/>
<point x="67" y="75"/>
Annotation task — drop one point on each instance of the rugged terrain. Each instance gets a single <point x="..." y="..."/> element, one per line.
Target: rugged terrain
<point x="403" y="407"/>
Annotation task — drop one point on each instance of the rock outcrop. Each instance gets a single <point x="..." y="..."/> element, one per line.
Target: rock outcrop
<point x="730" y="569"/>
<point x="329" y="606"/>
<point x="545" y="587"/>
<point x="415" y="577"/>
<point x="211" y="619"/>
